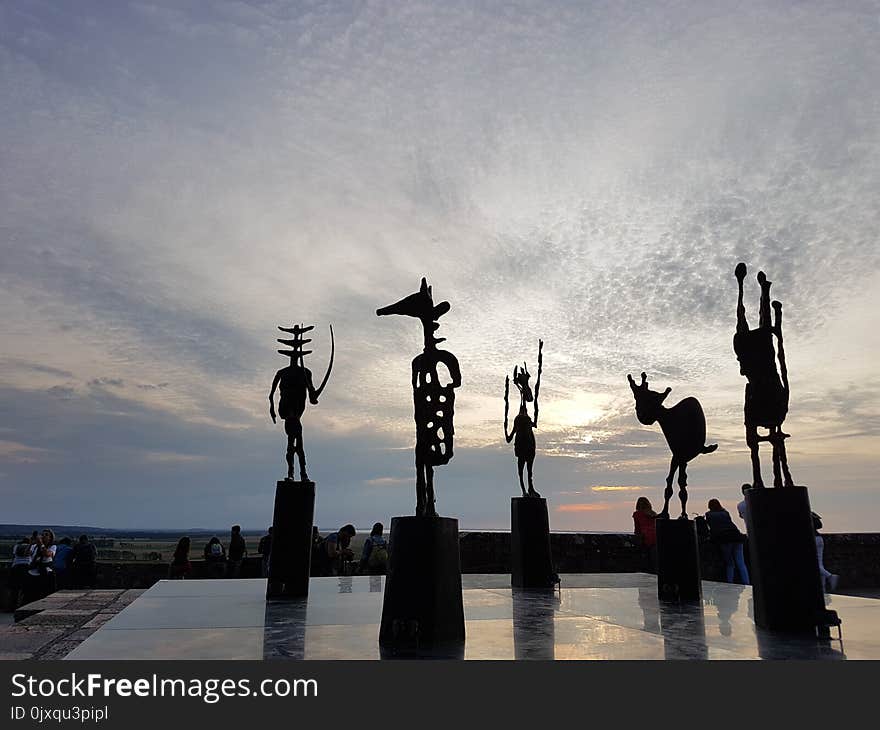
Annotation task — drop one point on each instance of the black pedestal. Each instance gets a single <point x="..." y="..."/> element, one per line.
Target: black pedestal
<point x="531" y="560"/>
<point x="678" y="561"/>
<point x="784" y="565"/>
<point x="422" y="612"/>
<point x="291" y="555"/>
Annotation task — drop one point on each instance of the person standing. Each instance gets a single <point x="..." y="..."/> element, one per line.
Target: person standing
<point x="84" y="562"/>
<point x="237" y="553"/>
<point x="63" y="556"/>
<point x="829" y="579"/>
<point x="265" y="550"/>
<point x="180" y="566"/>
<point x="41" y="575"/>
<point x="18" y="571"/>
<point x="645" y="521"/>
<point x="374" y="555"/>
<point x="742" y="507"/>
<point x="729" y="539"/>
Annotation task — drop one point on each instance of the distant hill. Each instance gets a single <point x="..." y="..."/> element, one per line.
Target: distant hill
<point x="13" y="531"/>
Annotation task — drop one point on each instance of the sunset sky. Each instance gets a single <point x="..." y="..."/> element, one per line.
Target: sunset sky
<point x="178" y="178"/>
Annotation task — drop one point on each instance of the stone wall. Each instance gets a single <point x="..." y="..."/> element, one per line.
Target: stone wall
<point x="854" y="556"/>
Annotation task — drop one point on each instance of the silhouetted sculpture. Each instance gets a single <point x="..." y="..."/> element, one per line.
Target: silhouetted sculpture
<point x="766" y="398"/>
<point x="434" y="403"/>
<point x="684" y="427"/>
<point x="296" y="383"/>
<point x="523" y="424"/>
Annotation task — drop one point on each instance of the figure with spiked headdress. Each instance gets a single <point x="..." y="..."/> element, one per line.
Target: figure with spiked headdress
<point x="434" y="402"/>
<point x="295" y="384"/>
<point x="766" y="397"/>
<point x="523" y="424"/>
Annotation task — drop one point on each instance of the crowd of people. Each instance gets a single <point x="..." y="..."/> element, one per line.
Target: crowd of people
<point x="721" y="531"/>
<point x="331" y="554"/>
<point x="41" y="566"/>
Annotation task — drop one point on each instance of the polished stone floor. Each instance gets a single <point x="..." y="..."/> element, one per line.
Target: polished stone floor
<point x="593" y="616"/>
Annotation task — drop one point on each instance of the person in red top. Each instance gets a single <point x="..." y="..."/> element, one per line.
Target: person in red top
<point x="644" y="519"/>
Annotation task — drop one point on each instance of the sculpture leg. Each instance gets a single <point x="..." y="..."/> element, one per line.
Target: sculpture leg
<point x="667" y="493"/>
<point x="301" y="453"/>
<point x="783" y="460"/>
<point x="529" y="463"/>
<point x="775" y="443"/>
<point x="430" y="510"/>
<point x="291" y="446"/>
<point x="682" y="488"/>
<point x="520" y="464"/>
<point x="752" y="443"/>
<point x="420" y="488"/>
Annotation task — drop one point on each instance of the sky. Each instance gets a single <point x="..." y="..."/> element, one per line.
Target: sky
<point x="178" y="178"/>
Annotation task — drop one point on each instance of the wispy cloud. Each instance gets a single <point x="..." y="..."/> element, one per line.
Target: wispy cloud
<point x="177" y="181"/>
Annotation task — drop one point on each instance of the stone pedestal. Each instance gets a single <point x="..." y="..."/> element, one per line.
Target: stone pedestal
<point x="422" y="612"/>
<point x="531" y="564"/>
<point x="678" y="561"/>
<point x="784" y="566"/>
<point x="290" y="560"/>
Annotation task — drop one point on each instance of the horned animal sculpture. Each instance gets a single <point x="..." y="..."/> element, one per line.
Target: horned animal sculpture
<point x="684" y="427"/>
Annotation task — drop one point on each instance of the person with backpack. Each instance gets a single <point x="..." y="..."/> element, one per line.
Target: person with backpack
<point x="374" y="556"/>
<point x="729" y="539"/>
<point x="215" y="557"/>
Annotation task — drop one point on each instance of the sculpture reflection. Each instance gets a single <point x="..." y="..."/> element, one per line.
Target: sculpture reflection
<point x="534" y="636"/>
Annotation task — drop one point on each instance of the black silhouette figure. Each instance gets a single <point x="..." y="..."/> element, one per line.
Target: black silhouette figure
<point x="296" y="382"/>
<point x="684" y="427"/>
<point x="523" y="424"/>
<point x="434" y="402"/>
<point x="766" y="399"/>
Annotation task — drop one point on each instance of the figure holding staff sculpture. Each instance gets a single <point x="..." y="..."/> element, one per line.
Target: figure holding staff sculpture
<point x="523" y="424"/>
<point x="434" y="403"/>
<point x="295" y="383"/>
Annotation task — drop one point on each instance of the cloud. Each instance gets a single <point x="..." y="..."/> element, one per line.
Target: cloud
<point x="585" y="507"/>
<point x="177" y="181"/>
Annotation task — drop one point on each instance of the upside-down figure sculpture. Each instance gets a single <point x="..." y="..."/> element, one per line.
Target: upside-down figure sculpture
<point x="766" y="398"/>
<point x="434" y="403"/>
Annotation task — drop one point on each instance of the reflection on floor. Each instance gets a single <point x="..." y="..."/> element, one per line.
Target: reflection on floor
<point x="594" y="616"/>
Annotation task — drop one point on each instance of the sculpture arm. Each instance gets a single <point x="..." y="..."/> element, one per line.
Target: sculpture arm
<point x="507" y="408"/>
<point x="313" y="394"/>
<point x="780" y="350"/>
<point x="272" y="395"/>
<point x="538" y="381"/>
<point x="451" y="362"/>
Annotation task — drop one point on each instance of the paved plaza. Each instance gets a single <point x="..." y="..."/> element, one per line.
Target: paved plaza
<point x="593" y="616"/>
